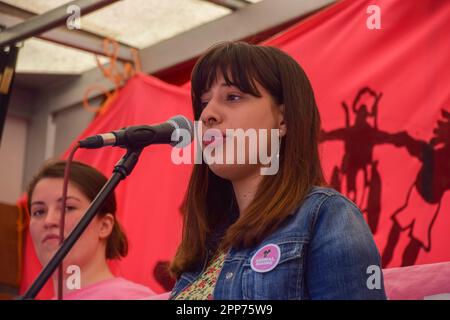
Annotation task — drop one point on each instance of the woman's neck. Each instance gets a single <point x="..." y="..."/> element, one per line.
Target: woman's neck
<point x="94" y="271"/>
<point x="245" y="190"/>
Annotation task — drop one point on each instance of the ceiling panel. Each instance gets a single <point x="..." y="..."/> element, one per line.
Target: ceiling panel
<point x="39" y="56"/>
<point x="138" y="23"/>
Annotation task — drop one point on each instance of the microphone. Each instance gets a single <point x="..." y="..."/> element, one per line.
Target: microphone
<point x="177" y="131"/>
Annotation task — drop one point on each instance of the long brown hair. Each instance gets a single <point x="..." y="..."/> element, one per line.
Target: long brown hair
<point x="89" y="181"/>
<point x="209" y="201"/>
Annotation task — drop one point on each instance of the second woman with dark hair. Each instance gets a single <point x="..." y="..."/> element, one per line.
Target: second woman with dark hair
<point x="102" y="240"/>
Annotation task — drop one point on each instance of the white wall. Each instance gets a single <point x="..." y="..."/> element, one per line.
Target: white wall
<point x="12" y="157"/>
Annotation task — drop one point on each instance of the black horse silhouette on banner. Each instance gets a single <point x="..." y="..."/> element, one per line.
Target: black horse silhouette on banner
<point x="425" y="194"/>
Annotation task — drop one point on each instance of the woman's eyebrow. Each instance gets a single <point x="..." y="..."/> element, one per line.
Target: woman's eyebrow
<point x="60" y="199"/>
<point x="37" y="202"/>
<point x="223" y="84"/>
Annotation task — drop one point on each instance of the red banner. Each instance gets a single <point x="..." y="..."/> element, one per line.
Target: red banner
<point x="381" y="75"/>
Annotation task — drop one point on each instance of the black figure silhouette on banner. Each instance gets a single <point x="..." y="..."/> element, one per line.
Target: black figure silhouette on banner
<point x="359" y="139"/>
<point x="424" y="197"/>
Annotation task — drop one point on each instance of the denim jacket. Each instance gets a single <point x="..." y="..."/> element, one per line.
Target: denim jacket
<point x="326" y="252"/>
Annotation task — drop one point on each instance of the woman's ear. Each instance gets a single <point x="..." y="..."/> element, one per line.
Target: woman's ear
<point x="281" y="123"/>
<point x="106" y="225"/>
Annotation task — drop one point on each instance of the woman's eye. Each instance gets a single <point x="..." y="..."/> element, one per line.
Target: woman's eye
<point x="70" y="208"/>
<point x="233" y="97"/>
<point x="37" y="213"/>
<point x="203" y="104"/>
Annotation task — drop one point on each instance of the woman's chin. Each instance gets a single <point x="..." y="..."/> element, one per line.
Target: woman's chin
<point x="232" y="172"/>
<point x="47" y="252"/>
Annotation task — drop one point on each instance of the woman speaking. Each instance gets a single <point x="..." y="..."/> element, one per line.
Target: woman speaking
<point x="285" y="235"/>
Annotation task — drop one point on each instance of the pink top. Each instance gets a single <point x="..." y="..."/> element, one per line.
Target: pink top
<point x="427" y="281"/>
<point x="111" y="289"/>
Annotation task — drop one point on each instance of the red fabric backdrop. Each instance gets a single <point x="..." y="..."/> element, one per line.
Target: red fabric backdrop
<point x="390" y="156"/>
<point x="392" y="80"/>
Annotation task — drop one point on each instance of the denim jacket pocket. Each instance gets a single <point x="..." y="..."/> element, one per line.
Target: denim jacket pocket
<point x="285" y="281"/>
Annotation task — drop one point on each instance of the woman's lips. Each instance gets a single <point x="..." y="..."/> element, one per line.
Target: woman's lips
<point x="214" y="140"/>
<point x="50" y="237"/>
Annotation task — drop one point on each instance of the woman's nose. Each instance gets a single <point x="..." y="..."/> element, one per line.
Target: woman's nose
<point x="52" y="218"/>
<point x="210" y="116"/>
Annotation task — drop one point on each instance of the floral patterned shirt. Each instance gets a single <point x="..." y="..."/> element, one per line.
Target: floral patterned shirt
<point x="203" y="287"/>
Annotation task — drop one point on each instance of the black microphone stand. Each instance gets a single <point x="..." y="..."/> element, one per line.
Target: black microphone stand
<point x="122" y="169"/>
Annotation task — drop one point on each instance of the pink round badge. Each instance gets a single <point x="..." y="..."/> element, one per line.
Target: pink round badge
<point x="266" y="258"/>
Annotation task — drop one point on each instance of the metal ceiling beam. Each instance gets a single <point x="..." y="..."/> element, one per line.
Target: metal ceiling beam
<point x="47" y="21"/>
<point x="230" y="4"/>
<point x="44" y="27"/>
